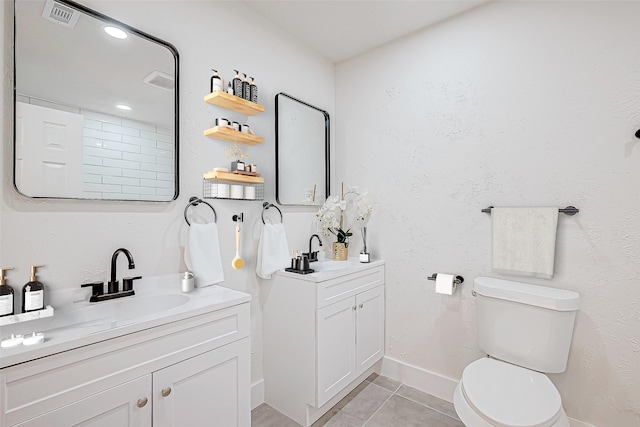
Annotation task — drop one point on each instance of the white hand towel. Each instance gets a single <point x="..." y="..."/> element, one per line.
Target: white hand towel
<point x="202" y="254"/>
<point x="524" y="240"/>
<point x="273" y="251"/>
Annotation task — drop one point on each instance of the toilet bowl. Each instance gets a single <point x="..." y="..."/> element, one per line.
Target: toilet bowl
<point x="526" y="330"/>
<point x="494" y="393"/>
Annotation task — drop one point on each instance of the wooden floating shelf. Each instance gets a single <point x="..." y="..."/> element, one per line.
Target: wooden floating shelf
<point x="245" y="173"/>
<point x="232" y="102"/>
<point x="25" y="317"/>
<point x="233" y="135"/>
<point x="233" y="177"/>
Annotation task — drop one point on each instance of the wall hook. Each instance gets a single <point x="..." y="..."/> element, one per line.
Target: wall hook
<point x="238" y="218"/>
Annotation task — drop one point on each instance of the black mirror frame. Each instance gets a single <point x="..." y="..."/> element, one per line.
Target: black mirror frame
<point x="327" y="157"/>
<point x="139" y="33"/>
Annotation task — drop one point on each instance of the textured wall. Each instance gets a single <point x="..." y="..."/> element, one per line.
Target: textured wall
<point x="75" y="239"/>
<point x="513" y="103"/>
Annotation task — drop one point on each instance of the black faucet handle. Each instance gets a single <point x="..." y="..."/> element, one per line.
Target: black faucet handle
<point x="127" y="283"/>
<point x="97" y="288"/>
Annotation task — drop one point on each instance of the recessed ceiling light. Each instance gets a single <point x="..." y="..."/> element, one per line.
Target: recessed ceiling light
<point x="123" y="107"/>
<point x="115" y="32"/>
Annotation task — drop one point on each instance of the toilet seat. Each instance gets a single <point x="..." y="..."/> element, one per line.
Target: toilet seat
<point x="508" y="396"/>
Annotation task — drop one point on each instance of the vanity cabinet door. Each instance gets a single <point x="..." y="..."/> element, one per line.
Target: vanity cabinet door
<point x="127" y="405"/>
<point x="212" y="389"/>
<point x="336" y="342"/>
<point x="369" y="327"/>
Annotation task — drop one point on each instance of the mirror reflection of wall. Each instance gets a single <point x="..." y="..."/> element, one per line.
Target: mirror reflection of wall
<point x="95" y="113"/>
<point x="302" y="152"/>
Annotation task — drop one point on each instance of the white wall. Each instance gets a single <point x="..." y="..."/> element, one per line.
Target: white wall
<point x="518" y="103"/>
<point x="75" y="239"/>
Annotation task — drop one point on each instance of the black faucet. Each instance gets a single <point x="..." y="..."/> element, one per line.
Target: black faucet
<point x="112" y="286"/>
<point x="113" y="290"/>
<point x="313" y="256"/>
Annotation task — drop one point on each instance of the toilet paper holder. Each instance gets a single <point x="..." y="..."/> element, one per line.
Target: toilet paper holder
<point x="458" y="280"/>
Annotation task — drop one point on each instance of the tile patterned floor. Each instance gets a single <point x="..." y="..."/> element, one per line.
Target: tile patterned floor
<point x="377" y="402"/>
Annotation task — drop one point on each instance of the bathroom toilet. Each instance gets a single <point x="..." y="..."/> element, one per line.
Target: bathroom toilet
<point x="526" y="331"/>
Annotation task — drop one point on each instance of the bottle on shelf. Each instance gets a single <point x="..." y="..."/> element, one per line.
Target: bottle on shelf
<point x="6" y="295"/>
<point x="237" y="85"/>
<point x="229" y="88"/>
<point x="253" y="91"/>
<point x="216" y="81"/>
<point x="246" y="88"/>
<point x="33" y="292"/>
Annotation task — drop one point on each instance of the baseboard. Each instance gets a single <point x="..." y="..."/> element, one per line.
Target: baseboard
<point x="431" y="382"/>
<point x="419" y="378"/>
<point x="257" y="394"/>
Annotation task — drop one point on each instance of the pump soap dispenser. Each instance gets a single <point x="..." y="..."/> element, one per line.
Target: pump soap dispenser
<point x="33" y="292"/>
<point x="216" y="81"/>
<point x="253" y="89"/>
<point x="246" y="88"/>
<point x="237" y="85"/>
<point x="6" y="295"/>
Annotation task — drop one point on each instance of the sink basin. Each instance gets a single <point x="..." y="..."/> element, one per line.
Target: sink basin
<point x="330" y="265"/>
<point x="116" y="310"/>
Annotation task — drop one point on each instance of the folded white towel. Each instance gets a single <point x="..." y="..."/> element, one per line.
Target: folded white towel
<point x="202" y="254"/>
<point x="273" y="251"/>
<point x="524" y="240"/>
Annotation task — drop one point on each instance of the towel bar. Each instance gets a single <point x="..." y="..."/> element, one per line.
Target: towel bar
<point x="569" y="210"/>
<point x="267" y="205"/>
<point x="194" y="201"/>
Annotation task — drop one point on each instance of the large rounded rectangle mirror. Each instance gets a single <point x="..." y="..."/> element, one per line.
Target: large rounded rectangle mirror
<point x="96" y="106"/>
<point x="302" y="152"/>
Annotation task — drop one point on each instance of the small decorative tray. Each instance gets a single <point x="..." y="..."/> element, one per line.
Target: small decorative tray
<point x="293" y="270"/>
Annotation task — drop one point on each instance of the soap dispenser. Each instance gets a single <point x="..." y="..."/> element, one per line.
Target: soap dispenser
<point x="216" y="81"/>
<point x="6" y="295"/>
<point x="33" y="292"/>
<point x="253" y="89"/>
<point x="237" y="85"/>
<point x="246" y="88"/>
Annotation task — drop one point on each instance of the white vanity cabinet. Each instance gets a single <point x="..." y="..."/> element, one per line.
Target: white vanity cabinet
<point x="190" y="372"/>
<point x="113" y="407"/>
<point x="322" y="333"/>
<point x="209" y="389"/>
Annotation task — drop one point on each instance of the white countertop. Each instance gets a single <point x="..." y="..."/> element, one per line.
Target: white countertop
<point x="72" y="325"/>
<point x="352" y="265"/>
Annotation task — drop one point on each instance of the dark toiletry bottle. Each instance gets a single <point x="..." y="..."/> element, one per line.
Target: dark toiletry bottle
<point x="254" y="91"/>
<point x="33" y="293"/>
<point x="246" y="88"/>
<point x="237" y="85"/>
<point x="216" y="81"/>
<point x="6" y="295"/>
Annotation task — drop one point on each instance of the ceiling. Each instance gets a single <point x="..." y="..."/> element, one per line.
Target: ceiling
<point x="342" y="29"/>
<point x="81" y="59"/>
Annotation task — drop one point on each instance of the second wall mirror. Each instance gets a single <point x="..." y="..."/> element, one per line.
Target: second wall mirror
<point x="302" y="152"/>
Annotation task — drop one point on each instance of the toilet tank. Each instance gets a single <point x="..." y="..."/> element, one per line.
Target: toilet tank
<point x="523" y="324"/>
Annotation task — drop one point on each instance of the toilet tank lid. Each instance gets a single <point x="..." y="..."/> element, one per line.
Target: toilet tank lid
<point x="540" y="296"/>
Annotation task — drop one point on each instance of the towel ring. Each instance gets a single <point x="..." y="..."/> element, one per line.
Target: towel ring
<point x="194" y="201"/>
<point x="267" y="205"/>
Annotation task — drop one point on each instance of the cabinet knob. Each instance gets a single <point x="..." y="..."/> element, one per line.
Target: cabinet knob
<point x="353" y="308"/>
<point x="361" y="305"/>
<point x="142" y="402"/>
<point x="166" y="392"/>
